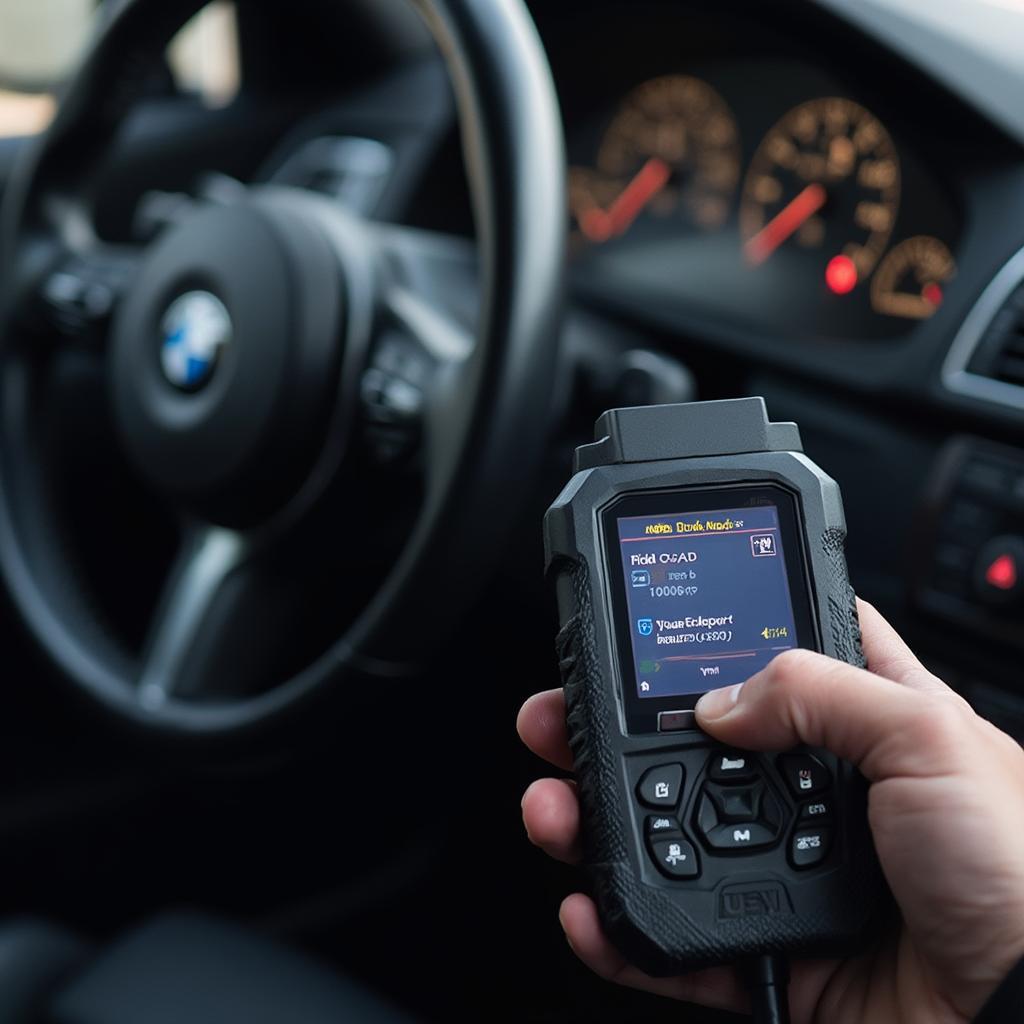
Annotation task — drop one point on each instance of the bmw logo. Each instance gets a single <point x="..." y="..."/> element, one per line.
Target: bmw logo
<point x="194" y="329"/>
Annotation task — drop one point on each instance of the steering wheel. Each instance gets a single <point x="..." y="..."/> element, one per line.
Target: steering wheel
<point x="280" y="369"/>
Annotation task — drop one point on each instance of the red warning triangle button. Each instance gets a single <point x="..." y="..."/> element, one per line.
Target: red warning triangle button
<point x="1002" y="572"/>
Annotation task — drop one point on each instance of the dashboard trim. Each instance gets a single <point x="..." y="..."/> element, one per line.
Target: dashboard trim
<point x="955" y="375"/>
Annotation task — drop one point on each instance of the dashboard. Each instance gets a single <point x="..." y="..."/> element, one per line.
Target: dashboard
<point x="747" y="169"/>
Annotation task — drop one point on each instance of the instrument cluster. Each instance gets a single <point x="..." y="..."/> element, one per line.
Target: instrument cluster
<point x="812" y="219"/>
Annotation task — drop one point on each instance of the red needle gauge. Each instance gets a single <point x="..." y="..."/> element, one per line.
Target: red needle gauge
<point x="600" y="225"/>
<point x="804" y="205"/>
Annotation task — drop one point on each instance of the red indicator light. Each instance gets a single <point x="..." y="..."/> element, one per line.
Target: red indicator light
<point x="1002" y="573"/>
<point x="932" y="294"/>
<point x="841" y="275"/>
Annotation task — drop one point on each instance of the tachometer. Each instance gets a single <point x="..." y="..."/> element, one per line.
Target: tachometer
<point x="826" y="180"/>
<point x="670" y="151"/>
<point x="910" y="280"/>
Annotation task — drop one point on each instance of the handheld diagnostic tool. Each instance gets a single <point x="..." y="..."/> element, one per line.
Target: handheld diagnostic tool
<point x="693" y="544"/>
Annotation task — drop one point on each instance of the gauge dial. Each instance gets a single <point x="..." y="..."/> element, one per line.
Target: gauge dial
<point x="825" y="180"/>
<point x="910" y="281"/>
<point x="670" y="151"/>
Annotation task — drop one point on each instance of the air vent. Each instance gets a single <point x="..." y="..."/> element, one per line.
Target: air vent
<point x="1000" y="352"/>
<point x="986" y="359"/>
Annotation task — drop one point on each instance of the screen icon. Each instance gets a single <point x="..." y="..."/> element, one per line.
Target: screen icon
<point x="762" y="545"/>
<point x="645" y="627"/>
<point x="640" y="577"/>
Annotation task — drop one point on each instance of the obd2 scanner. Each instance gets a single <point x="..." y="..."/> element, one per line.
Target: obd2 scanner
<point x="692" y="545"/>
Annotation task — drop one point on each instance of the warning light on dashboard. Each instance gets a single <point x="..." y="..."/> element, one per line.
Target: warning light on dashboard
<point x="1002" y="573"/>
<point x="932" y="294"/>
<point x="841" y="274"/>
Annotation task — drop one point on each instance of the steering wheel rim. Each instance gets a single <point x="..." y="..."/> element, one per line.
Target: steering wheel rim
<point x="513" y="154"/>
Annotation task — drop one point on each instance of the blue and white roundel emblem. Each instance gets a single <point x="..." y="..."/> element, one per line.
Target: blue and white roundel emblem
<point x="195" y="328"/>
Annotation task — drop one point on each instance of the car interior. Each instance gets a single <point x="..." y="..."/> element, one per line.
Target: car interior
<point x="271" y="603"/>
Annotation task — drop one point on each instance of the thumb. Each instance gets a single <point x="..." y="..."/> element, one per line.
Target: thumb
<point x="802" y="697"/>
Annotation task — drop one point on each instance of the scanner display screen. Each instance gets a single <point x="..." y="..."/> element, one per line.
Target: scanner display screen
<point x="707" y="596"/>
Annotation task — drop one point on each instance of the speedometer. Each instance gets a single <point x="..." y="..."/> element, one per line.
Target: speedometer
<point x="825" y="181"/>
<point x="669" y="154"/>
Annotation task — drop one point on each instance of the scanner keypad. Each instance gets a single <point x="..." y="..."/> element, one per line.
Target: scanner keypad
<point x="735" y="805"/>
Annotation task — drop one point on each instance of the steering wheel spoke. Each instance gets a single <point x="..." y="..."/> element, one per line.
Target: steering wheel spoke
<point x="431" y="288"/>
<point x="415" y="384"/>
<point x="183" y="633"/>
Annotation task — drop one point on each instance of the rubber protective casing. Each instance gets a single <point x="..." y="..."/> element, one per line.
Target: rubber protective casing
<point x="760" y="905"/>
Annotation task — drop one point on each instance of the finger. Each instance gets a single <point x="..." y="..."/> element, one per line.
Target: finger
<point x="717" y="987"/>
<point x="804" y="697"/>
<point x="887" y="654"/>
<point x="808" y="979"/>
<point x="541" y="725"/>
<point x="551" y="815"/>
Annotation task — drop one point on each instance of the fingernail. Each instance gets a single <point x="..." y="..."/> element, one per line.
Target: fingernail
<point x="716" y="704"/>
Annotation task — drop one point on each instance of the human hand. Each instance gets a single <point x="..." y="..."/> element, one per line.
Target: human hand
<point x="946" y="809"/>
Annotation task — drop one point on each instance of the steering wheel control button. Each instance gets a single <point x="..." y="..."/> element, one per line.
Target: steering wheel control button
<point x="676" y="721"/>
<point x="805" y="775"/>
<point x="816" y="810"/>
<point x="674" y="856"/>
<point x="808" y="847"/>
<point x="661" y="786"/>
<point x="741" y="835"/>
<point x="81" y="294"/>
<point x="732" y="766"/>
<point x="999" y="570"/>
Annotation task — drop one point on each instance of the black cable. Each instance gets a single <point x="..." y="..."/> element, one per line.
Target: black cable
<point x="767" y="980"/>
